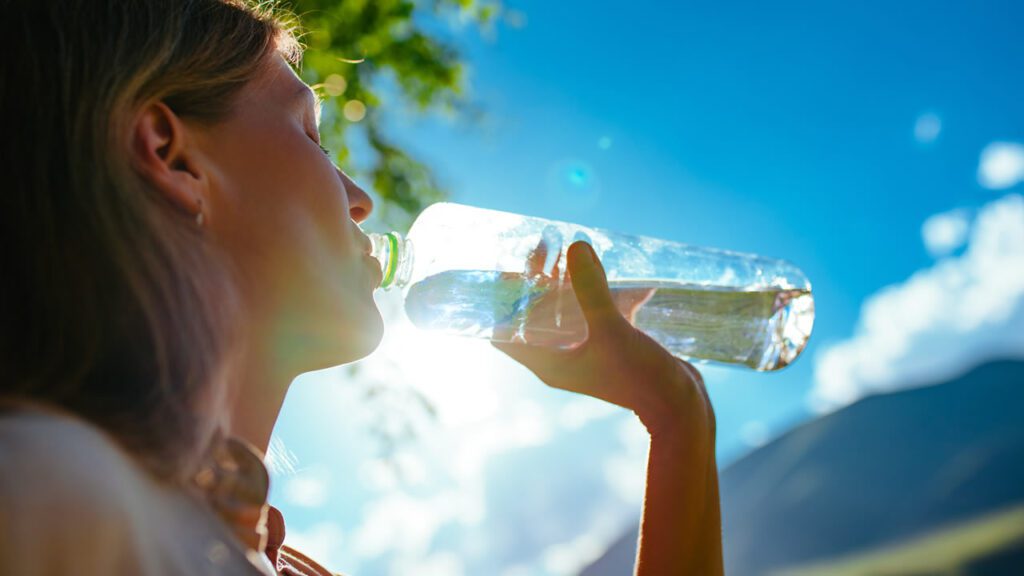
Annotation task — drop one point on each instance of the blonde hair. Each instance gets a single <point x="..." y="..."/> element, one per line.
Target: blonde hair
<point x="114" y="307"/>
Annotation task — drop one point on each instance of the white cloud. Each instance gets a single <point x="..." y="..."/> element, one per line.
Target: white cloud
<point x="518" y="570"/>
<point x="625" y="471"/>
<point x="525" y="424"/>
<point x="602" y="523"/>
<point x="1001" y="165"/>
<point x="386" y="474"/>
<point x="754" y="433"/>
<point x="403" y="523"/>
<point x="580" y="411"/>
<point x="927" y="127"/>
<point x="945" y="232"/>
<point x="321" y="541"/>
<point x="437" y="564"/>
<point x="308" y="489"/>
<point x="572" y="556"/>
<point x="941" y="321"/>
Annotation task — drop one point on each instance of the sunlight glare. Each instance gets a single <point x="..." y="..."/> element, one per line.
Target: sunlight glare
<point x="354" y="110"/>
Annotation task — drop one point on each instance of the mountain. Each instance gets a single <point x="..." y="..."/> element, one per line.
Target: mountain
<point x="922" y="481"/>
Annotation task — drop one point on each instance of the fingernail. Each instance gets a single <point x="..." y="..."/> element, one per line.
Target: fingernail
<point x="582" y="237"/>
<point x="588" y="253"/>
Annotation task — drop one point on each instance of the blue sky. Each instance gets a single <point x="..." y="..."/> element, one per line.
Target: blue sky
<point x="823" y="133"/>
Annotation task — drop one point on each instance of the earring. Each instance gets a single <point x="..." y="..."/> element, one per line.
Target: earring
<point x="199" y="216"/>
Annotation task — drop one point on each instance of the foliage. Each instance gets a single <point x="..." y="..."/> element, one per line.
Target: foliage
<point x="354" y="48"/>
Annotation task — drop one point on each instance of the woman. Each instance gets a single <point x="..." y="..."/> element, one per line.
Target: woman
<point x="179" y="248"/>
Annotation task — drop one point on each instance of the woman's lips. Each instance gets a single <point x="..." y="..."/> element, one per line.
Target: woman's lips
<point x="367" y="244"/>
<point x="378" y="275"/>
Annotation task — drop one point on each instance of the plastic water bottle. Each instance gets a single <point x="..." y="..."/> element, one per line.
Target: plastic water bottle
<point x="503" y="276"/>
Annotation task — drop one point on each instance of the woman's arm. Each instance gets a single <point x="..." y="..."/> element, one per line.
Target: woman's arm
<point x="680" y="531"/>
<point x="681" y="527"/>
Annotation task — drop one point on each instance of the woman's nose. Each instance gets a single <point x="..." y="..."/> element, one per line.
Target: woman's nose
<point x="359" y="202"/>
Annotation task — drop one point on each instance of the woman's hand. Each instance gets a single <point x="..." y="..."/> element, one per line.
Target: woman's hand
<point x="617" y="362"/>
<point x="680" y="529"/>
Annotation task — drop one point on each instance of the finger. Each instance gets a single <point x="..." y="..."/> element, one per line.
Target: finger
<point x="535" y="261"/>
<point x="629" y="302"/>
<point x="591" y="288"/>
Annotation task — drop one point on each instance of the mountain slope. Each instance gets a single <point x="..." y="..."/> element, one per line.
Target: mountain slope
<point x="992" y="544"/>
<point x="882" y="471"/>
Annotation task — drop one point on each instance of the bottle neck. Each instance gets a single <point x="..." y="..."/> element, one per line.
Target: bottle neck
<point x="394" y="253"/>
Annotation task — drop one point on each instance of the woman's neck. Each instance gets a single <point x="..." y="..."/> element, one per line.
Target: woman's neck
<point x="261" y="381"/>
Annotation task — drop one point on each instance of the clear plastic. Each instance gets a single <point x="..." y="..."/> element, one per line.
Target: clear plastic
<point x="502" y="276"/>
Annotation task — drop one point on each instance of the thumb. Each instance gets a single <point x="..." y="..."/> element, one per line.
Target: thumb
<point x="590" y="285"/>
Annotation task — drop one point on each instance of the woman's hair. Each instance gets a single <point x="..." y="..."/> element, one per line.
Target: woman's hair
<point x="113" y="305"/>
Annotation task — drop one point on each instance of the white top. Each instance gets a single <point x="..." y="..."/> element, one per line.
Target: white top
<point x="73" y="502"/>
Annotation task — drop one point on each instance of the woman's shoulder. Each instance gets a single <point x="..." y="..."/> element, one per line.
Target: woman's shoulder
<point x="66" y="490"/>
<point x="55" y="450"/>
<point x="73" y="501"/>
<point x="58" y="463"/>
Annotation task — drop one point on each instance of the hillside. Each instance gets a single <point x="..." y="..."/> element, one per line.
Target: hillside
<point x="887" y="474"/>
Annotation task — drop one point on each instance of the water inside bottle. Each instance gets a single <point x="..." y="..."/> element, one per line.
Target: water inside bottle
<point x="762" y="328"/>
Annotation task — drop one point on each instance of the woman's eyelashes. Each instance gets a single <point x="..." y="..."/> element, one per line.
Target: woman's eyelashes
<point x="315" y="137"/>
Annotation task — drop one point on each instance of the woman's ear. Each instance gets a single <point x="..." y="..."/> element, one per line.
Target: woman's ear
<point x="164" y="154"/>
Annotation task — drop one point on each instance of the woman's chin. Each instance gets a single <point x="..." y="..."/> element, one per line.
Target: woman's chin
<point x="366" y="342"/>
<point x="326" y="346"/>
<point x="358" y="344"/>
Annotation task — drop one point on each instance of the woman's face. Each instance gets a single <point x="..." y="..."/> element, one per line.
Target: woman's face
<point x="287" y="218"/>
